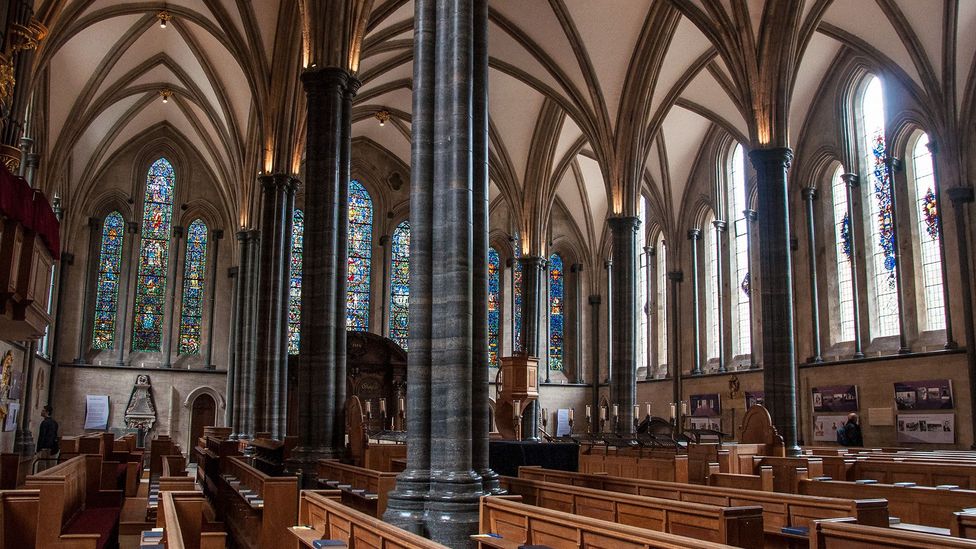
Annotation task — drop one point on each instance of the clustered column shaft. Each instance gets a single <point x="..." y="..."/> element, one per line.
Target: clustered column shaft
<point x="532" y="269"/>
<point x="623" y="302"/>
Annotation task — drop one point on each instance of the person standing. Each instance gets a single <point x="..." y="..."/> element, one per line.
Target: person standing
<point x="48" y="443"/>
<point x="850" y="433"/>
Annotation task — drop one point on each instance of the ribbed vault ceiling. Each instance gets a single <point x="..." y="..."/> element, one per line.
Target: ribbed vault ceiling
<point x="108" y="60"/>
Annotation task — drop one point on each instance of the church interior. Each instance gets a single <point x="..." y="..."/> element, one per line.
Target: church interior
<point x="487" y="273"/>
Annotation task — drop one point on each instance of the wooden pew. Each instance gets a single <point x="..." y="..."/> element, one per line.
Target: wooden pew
<point x="18" y="518"/>
<point x="734" y="525"/>
<point x="915" y="505"/>
<point x="256" y="508"/>
<point x="72" y="510"/>
<point x="9" y="469"/>
<point x="161" y="446"/>
<point x="963" y="524"/>
<point x="517" y="523"/>
<point x="787" y="471"/>
<point x="727" y="456"/>
<point x="363" y="489"/>
<point x="763" y="481"/>
<point x="185" y="519"/>
<point x="323" y="517"/>
<point x="841" y="534"/>
<point x="653" y="465"/>
<point x="779" y="510"/>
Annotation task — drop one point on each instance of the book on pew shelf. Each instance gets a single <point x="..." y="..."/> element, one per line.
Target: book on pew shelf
<point x="905" y="484"/>
<point x="154" y="533"/>
<point x="866" y="481"/>
<point x="328" y="543"/>
<point x="947" y="487"/>
<point x="796" y="530"/>
<point x="534" y="547"/>
<point x="822" y="478"/>
<point x="496" y="536"/>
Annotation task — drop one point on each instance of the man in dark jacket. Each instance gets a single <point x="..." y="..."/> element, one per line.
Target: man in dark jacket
<point x="47" y="440"/>
<point x="850" y="433"/>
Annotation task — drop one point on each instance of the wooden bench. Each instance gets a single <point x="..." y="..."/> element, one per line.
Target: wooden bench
<point x="18" y="518"/>
<point x="787" y="471"/>
<point x="740" y="526"/>
<point x="842" y="534"/>
<point x="507" y="524"/>
<point x="653" y="465"/>
<point x="186" y="519"/>
<point x="72" y="510"/>
<point x="963" y="524"/>
<point x="363" y="489"/>
<point x="763" y="481"/>
<point x="322" y="516"/>
<point x="916" y="505"/>
<point x="257" y="508"/>
<point x="727" y="456"/>
<point x="779" y="510"/>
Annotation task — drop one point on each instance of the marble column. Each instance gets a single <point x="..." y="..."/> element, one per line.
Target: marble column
<point x="852" y="184"/>
<point x="776" y="272"/>
<point x="533" y="268"/>
<point x="272" y="302"/>
<point x="248" y="335"/>
<point x="480" y="243"/>
<point x="174" y="308"/>
<point x="650" y="305"/>
<point x="67" y="260"/>
<point x="217" y="235"/>
<point x="903" y="347"/>
<point x="754" y="285"/>
<point x="595" y="358"/>
<point x="960" y="198"/>
<point x="407" y="502"/>
<point x="230" y="416"/>
<point x="87" y="311"/>
<point x="241" y="399"/>
<point x="325" y="90"/>
<point x="674" y="345"/>
<point x="946" y="297"/>
<point x="694" y="235"/>
<point x="623" y="388"/>
<point x="452" y="511"/>
<point x="722" y="244"/>
<point x="131" y="251"/>
<point x="577" y="270"/>
<point x="809" y="195"/>
<point x="608" y="267"/>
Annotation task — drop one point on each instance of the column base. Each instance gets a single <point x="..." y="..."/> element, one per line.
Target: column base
<point x="453" y="506"/>
<point x="858" y="354"/>
<point x="407" y="502"/>
<point x="950" y="345"/>
<point x="489" y="482"/>
<point x="24" y="443"/>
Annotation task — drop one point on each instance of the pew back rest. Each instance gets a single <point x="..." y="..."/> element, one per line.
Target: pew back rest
<point x="18" y="518"/>
<point x="183" y="516"/>
<point x="63" y="488"/>
<point x="528" y="524"/>
<point x="336" y="521"/>
<point x="842" y="534"/>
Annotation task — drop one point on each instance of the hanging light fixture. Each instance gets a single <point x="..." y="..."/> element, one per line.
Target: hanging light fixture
<point x="164" y="17"/>
<point x="166" y="93"/>
<point x="383" y="116"/>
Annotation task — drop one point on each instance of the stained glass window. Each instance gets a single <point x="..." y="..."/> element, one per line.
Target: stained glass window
<point x="494" y="305"/>
<point x="360" y="253"/>
<point x="107" y="287"/>
<point x="883" y="261"/>
<point x="557" y="312"/>
<point x="740" y="254"/>
<point x="662" y="302"/>
<point x="928" y="234"/>
<point x="150" y="302"/>
<point x="842" y="238"/>
<point x="194" y="277"/>
<point x="517" y="299"/>
<point x="711" y="288"/>
<point x="400" y="283"/>
<point x="295" y="282"/>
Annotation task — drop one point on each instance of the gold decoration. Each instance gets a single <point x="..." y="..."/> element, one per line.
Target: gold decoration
<point x="5" y="374"/>
<point x="27" y="37"/>
<point x="164" y="17"/>
<point x="166" y="93"/>
<point x="7" y="80"/>
<point x="383" y="116"/>
<point x="10" y="157"/>
<point x="734" y="387"/>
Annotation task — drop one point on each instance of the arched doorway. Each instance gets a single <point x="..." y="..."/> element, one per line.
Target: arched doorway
<point x="203" y="413"/>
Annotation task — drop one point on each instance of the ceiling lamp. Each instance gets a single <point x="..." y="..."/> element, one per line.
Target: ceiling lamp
<point x="164" y="17"/>
<point x="166" y="93"/>
<point x="383" y="116"/>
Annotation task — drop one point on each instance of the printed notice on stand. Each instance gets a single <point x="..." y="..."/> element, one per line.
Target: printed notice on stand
<point x="96" y="412"/>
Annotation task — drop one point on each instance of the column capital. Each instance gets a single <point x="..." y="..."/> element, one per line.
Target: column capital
<point x="294" y="184"/>
<point x="623" y="222"/>
<point x="694" y="234"/>
<point x="851" y="179"/>
<point x="384" y="240"/>
<point x="177" y="231"/>
<point x="751" y="215"/>
<point x="241" y="235"/>
<point x="959" y="195"/>
<point x="650" y="251"/>
<point x="576" y="268"/>
<point x="776" y="157"/>
<point x="254" y="234"/>
<point x="317" y="80"/>
<point x="809" y="193"/>
<point x="933" y="146"/>
<point x="720" y="225"/>
<point x="607" y="264"/>
<point x="218" y="234"/>
<point x="132" y="227"/>
<point x="676" y="276"/>
<point x="67" y="257"/>
<point x="353" y="85"/>
<point x="595" y="299"/>
<point x="94" y="223"/>
<point x="532" y="261"/>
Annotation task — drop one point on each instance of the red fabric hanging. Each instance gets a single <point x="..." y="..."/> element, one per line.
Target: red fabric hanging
<point x="30" y="208"/>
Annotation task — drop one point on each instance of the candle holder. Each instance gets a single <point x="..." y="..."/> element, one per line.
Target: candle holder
<point x="402" y="420"/>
